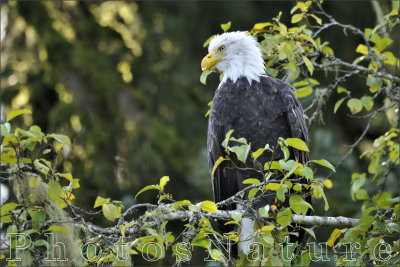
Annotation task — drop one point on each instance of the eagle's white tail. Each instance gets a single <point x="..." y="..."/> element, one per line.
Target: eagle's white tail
<point x="246" y="235"/>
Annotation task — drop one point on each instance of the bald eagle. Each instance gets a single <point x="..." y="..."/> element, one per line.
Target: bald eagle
<point x="256" y="106"/>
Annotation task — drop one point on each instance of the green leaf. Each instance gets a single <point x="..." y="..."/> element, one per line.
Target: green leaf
<point x="163" y="181"/>
<point x="149" y="187"/>
<point x="241" y="152"/>
<point x="272" y="72"/>
<point x="299" y="205"/>
<point x="317" y="19"/>
<point x="237" y="216"/>
<point x="264" y="211"/>
<point x="111" y="212"/>
<point x="267" y="228"/>
<point x="297" y="143"/>
<point x="227" y="137"/>
<point x="309" y="65"/>
<point x="325" y="163"/>
<point x="355" y="105"/>
<point x="284" y="217"/>
<point x="252" y="193"/>
<point x="209" y="206"/>
<point x="288" y="250"/>
<point x="328" y="183"/>
<point x="280" y="193"/>
<point x="251" y="181"/>
<point x="38" y="219"/>
<point x="297" y="187"/>
<point x="208" y="41"/>
<point x="362" y="49"/>
<point x="381" y="44"/>
<point x="67" y="176"/>
<point x="310" y="232"/>
<point x="226" y="26"/>
<point x="304" y="91"/>
<point x="203" y="76"/>
<point x="296" y="18"/>
<point x="334" y="235"/>
<point x="54" y="190"/>
<point x="34" y="182"/>
<point x="181" y="203"/>
<point x="273" y="186"/>
<point x="205" y="243"/>
<point x="258" y="153"/>
<point x="100" y="201"/>
<point x="308" y="38"/>
<point x="5" y="209"/>
<point x="220" y="159"/>
<point x="5" y="129"/>
<point x="287" y="165"/>
<point x="338" y="103"/>
<point x="41" y="243"/>
<point x="16" y="113"/>
<point x="60" y="138"/>
<point x="341" y="89"/>
<point x="382" y="200"/>
<point x="319" y="193"/>
<point x="272" y="165"/>
<point x="374" y="83"/>
<point x="260" y="26"/>
<point x="367" y="102"/>
<point x="58" y="228"/>
<point x="36" y="131"/>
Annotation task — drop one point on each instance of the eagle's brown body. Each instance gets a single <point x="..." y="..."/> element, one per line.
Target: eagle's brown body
<point x="261" y="112"/>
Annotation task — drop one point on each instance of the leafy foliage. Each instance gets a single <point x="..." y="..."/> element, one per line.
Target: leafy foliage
<point x="31" y="159"/>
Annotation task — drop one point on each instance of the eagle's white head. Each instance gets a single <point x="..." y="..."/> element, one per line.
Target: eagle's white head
<point x="236" y="54"/>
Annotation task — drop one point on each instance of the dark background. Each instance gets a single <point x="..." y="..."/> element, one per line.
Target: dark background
<point x="122" y="80"/>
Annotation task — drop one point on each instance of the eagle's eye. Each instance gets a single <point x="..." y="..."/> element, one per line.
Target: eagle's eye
<point x="221" y="48"/>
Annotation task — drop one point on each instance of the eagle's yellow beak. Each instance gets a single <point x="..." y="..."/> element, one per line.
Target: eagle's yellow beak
<point x="209" y="61"/>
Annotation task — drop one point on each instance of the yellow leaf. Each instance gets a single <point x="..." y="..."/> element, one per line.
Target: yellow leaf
<point x="100" y="202"/>
<point x="67" y="176"/>
<point x="216" y="164"/>
<point x="111" y="212"/>
<point x="304" y="91"/>
<point x="297" y="143"/>
<point x="267" y="228"/>
<point x="252" y="193"/>
<point x="309" y="65"/>
<point x="203" y="76"/>
<point x="58" y="228"/>
<point x="362" y="49"/>
<point x="355" y="105"/>
<point x="328" y="183"/>
<point x="260" y="26"/>
<point x="208" y="41"/>
<point x="226" y="26"/>
<point x="296" y="18"/>
<point x="147" y="188"/>
<point x="54" y="190"/>
<point x="272" y="186"/>
<point x="16" y="113"/>
<point x="163" y="181"/>
<point x="308" y="38"/>
<point x="303" y="7"/>
<point x="209" y="206"/>
<point x="251" y="181"/>
<point x="335" y="235"/>
<point x="34" y="182"/>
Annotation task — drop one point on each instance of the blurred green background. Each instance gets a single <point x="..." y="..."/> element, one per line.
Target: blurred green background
<point x="122" y="80"/>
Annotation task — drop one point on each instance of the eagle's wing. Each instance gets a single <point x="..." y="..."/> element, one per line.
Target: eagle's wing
<point x="296" y="121"/>
<point x="224" y="184"/>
